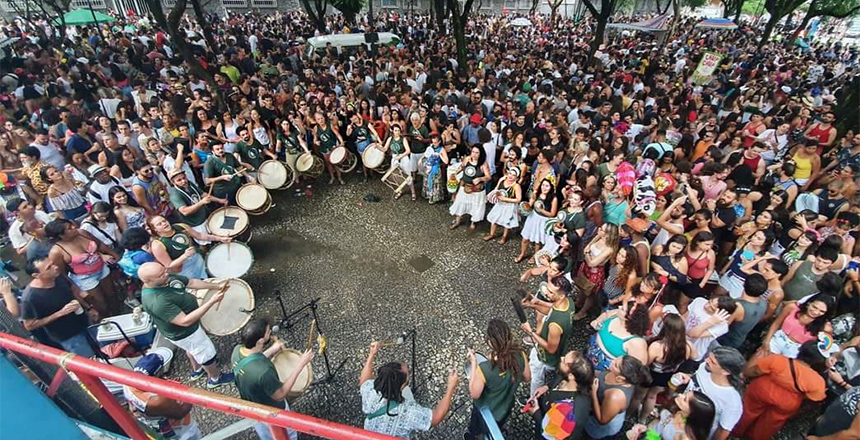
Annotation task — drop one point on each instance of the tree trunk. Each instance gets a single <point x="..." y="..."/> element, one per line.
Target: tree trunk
<point x="205" y="26"/>
<point x="810" y="14"/>
<point x="459" y="29"/>
<point x="317" y="16"/>
<point x="727" y="9"/>
<point x="441" y="10"/>
<point x="768" y="30"/>
<point x="599" y="30"/>
<point x="739" y="6"/>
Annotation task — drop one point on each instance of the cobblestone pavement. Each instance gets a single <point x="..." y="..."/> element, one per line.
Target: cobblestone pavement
<point x="355" y="257"/>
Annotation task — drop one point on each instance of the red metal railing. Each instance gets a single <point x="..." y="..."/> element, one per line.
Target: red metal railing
<point x="89" y="372"/>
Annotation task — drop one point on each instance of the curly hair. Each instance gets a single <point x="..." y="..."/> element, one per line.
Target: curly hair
<point x="636" y="321"/>
<point x="627" y="267"/>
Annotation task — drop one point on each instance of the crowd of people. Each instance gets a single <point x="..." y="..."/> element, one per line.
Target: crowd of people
<point x="706" y="231"/>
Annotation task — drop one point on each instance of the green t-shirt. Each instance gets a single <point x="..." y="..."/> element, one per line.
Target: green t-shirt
<point x="214" y="167"/>
<point x="415" y="145"/>
<point x="499" y="388"/>
<point x="563" y="320"/>
<point x="181" y="197"/>
<point x="603" y="170"/>
<point x="257" y="380"/>
<point x="290" y="143"/>
<point x="574" y="221"/>
<point x="165" y="303"/>
<point x="251" y="154"/>
<point x="327" y="139"/>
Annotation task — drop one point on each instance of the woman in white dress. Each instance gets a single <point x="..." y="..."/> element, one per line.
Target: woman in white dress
<point x="544" y="206"/>
<point x="400" y="152"/>
<point x="504" y="212"/>
<point x="472" y="197"/>
<point x="227" y="132"/>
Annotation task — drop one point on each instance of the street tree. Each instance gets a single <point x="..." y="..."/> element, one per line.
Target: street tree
<point x="553" y="7"/>
<point x="777" y="9"/>
<point x="459" y="15"/>
<point x="199" y="7"/>
<point x="349" y="8"/>
<point x="601" y="12"/>
<point x="826" y="8"/>
<point x="733" y="7"/>
<point x="316" y="13"/>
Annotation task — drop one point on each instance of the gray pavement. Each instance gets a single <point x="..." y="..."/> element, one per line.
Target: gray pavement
<point x="355" y="256"/>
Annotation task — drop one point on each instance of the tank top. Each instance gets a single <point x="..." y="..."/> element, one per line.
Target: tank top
<point x="176" y="244"/>
<point x="396" y="146"/>
<point x="610" y="288"/>
<point x="803" y="167"/>
<point x="229" y="133"/>
<point x="739" y="330"/>
<point x="613" y="345"/>
<point x="802" y="283"/>
<point x="827" y="206"/>
<point x="752" y="163"/>
<point x="86" y="263"/>
<point x="697" y="267"/>
<point x="262" y="136"/>
<point x="822" y="134"/>
<point x="794" y="329"/>
<point x="603" y="387"/>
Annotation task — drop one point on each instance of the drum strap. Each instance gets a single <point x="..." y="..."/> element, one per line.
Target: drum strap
<point x="385" y="409"/>
<point x="247" y="360"/>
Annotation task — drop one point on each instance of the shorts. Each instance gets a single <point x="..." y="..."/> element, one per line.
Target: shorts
<point x="413" y="161"/>
<point x="198" y="345"/>
<point x="733" y="284"/>
<point x="91" y="281"/>
<point x="660" y="379"/>
<point x="691" y="289"/>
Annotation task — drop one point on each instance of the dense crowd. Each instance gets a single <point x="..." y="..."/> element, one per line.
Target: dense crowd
<point x="707" y="231"/>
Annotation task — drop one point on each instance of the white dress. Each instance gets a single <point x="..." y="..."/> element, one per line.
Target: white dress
<point x="504" y="214"/>
<point x="535" y="229"/>
<point x="474" y="204"/>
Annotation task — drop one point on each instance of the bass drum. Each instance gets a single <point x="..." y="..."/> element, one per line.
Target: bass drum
<point x="231" y="222"/>
<point x="276" y="175"/>
<point x="232" y="313"/>
<point x="229" y="260"/>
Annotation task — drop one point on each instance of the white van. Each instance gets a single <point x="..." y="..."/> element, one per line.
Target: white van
<point x="344" y="42"/>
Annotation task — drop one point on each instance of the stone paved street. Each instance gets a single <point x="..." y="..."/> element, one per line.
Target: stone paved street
<point x="355" y="256"/>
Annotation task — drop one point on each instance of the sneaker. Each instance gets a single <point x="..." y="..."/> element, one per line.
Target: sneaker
<point x="196" y="375"/>
<point x="223" y="379"/>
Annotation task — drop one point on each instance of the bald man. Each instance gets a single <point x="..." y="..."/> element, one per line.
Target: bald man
<point x="176" y="314"/>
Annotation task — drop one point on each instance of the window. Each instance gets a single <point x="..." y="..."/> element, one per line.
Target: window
<point x="19" y="6"/>
<point x="389" y="3"/>
<point x="168" y="4"/>
<point x="84" y="4"/>
<point x="229" y="4"/>
<point x="264" y="3"/>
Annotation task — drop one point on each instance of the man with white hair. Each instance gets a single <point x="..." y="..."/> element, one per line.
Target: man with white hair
<point x="176" y="315"/>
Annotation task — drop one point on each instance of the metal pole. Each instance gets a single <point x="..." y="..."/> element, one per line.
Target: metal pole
<point x="183" y="393"/>
<point x="122" y="417"/>
<point x="278" y="433"/>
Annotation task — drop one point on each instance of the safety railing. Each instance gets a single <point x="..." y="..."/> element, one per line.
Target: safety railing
<point x="90" y="372"/>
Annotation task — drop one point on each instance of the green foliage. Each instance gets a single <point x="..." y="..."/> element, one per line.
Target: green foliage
<point x="753" y="7"/>
<point x="348" y="7"/>
<point x="834" y="8"/>
<point x="694" y="3"/>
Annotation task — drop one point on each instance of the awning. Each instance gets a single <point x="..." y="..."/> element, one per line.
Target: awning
<point x="81" y="17"/>
<point x="717" y="23"/>
<point x="656" y="24"/>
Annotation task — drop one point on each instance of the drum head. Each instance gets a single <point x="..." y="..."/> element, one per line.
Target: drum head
<point x="228" y="221"/>
<point x="232" y="313"/>
<point x="252" y="196"/>
<point x="286" y="362"/>
<point x="468" y="366"/>
<point x="543" y="258"/>
<point x="337" y="155"/>
<point x="229" y="260"/>
<point x="373" y="157"/>
<point x="272" y="174"/>
<point x="305" y="162"/>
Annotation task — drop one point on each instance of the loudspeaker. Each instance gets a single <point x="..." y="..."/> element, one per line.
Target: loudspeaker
<point x="371" y="37"/>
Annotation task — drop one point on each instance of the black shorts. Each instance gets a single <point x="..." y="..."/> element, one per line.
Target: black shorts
<point x="660" y="379"/>
<point x="692" y="290"/>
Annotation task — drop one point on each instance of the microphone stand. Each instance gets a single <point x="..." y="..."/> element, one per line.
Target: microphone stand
<point x="290" y="320"/>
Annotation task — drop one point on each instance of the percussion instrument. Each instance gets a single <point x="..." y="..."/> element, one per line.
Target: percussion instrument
<point x="453" y="180"/>
<point x="229" y="221"/>
<point x="524" y="208"/>
<point x="343" y="159"/>
<point x="493" y="196"/>
<point x="543" y="257"/>
<point x="229" y="260"/>
<point x="274" y="174"/>
<point x="309" y="165"/>
<point x="372" y="157"/>
<point x="396" y="179"/>
<point x="234" y="310"/>
<point x="286" y="361"/>
<point x="254" y="198"/>
<point x="468" y="366"/>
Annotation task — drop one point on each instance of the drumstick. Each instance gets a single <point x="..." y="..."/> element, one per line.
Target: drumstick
<point x="311" y="335"/>
<point x="220" y="290"/>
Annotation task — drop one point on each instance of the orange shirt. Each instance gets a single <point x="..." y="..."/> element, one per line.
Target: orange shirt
<point x="777" y="370"/>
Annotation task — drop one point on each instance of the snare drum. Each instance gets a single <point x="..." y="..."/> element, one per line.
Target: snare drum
<point x="309" y="165"/>
<point x="286" y="361"/>
<point x="373" y="157"/>
<point x="229" y="221"/>
<point x="396" y="179"/>
<point x="232" y="313"/>
<point x="343" y="159"/>
<point x="254" y="198"/>
<point x="229" y="260"/>
<point x="274" y="174"/>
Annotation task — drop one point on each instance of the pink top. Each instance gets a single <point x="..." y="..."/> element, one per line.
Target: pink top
<point x="794" y="329"/>
<point x="712" y="187"/>
<point x="87" y="263"/>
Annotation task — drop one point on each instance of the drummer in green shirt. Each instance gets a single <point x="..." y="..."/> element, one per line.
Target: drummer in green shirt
<point x="493" y="381"/>
<point x="176" y="314"/>
<point x="222" y="170"/>
<point x="326" y="139"/>
<point x="249" y="152"/>
<point x="256" y="376"/>
<point x="552" y="333"/>
<point x="191" y="203"/>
